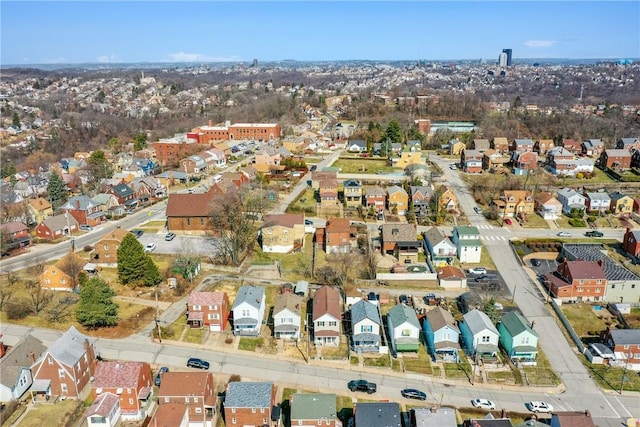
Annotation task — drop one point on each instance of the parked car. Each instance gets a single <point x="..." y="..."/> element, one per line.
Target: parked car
<point x="478" y="270"/>
<point x="453" y="167"/>
<point x="194" y="362"/>
<point x="538" y="406"/>
<point x="594" y="233"/>
<point x="137" y="233"/>
<point x="536" y="262"/>
<point x="362" y="385"/>
<point x="158" y="377"/>
<point x="308" y="222"/>
<point x="85" y="227"/>
<point x="563" y="234"/>
<point x="412" y="393"/>
<point x="477" y="210"/>
<point x="483" y="403"/>
<point x="508" y="221"/>
<point x="169" y="236"/>
<point x="150" y="247"/>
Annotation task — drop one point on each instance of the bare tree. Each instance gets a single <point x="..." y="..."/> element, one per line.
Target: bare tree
<point x="60" y="309"/>
<point x="345" y="264"/>
<point x="7" y="288"/>
<point x="39" y="297"/>
<point x="73" y="266"/>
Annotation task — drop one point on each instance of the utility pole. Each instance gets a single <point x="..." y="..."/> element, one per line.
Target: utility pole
<point x="157" y="315"/>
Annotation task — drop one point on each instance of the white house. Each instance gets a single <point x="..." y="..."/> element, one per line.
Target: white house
<point x="16" y="376"/>
<point x="357" y="146"/>
<point x="327" y="316"/>
<point x="365" y="326"/>
<point x="571" y="199"/>
<point x="286" y="316"/>
<point x="479" y="334"/>
<point x="468" y="244"/>
<point x="248" y="310"/>
<point x="597" y="201"/>
<point x="440" y="249"/>
<point x="404" y="328"/>
<point x="105" y="411"/>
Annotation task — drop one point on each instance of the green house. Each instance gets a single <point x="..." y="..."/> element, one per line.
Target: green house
<point x="518" y="338"/>
<point x="404" y="328"/>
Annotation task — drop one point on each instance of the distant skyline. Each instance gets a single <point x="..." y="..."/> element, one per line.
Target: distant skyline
<point x="72" y="32"/>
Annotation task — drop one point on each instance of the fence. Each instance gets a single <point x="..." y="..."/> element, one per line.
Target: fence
<point x="568" y="327"/>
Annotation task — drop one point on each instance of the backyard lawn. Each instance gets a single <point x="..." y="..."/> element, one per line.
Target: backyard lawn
<point x="43" y="414"/>
<point x="363" y="166"/>
<point x="586" y="321"/>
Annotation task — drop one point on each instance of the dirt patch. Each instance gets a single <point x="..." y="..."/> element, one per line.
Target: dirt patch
<point x="124" y="328"/>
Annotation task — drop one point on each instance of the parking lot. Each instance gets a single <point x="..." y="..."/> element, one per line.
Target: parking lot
<point x="491" y="282"/>
<point x="200" y="245"/>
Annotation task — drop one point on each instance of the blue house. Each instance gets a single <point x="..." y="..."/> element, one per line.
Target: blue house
<point x="518" y="339"/>
<point x="442" y="334"/>
<point x="365" y="326"/>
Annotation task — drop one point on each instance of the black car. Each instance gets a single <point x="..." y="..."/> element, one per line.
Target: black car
<point x="362" y="385"/>
<point x="158" y="377"/>
<point x="594" y="233"/>
<point x="194" y="362"/>
<point x="536" y="262"/>
<point x="412" y="393"/>
<point x="137" y="233"/>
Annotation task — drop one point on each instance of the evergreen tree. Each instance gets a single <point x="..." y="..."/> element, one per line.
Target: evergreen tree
<point x="15" y="120"/>
<point x="99" y="167"/>
<point x="96" y="307"/>
<point x="57" y="191"/>
<point x="394" y="132"/>
<point x="132" y="261"/>
<point x="140" y="141"/>
<point x="152" y="275"/>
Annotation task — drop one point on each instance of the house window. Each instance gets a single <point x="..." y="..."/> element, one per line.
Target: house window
<point x="366" y="328"/>
<point x="63" y="387"/>
<point x="195" y="400"/>
<point x="198" y="410"/>
<point x="485" y="339"/>
<point x="188" y="221"/>
<point x="253" y="410"/>
<point x="233" y="421"/>
<point x="233" y="410"/>
<point x="196" y="307"/>
<point x="213" y="307"/>
<point x="246" y="313"/>
<point x="61" y="373"/>
<point x="166" y="399"/>
<point x="130" y="401"/>
<point x="262" y="410"/>
<point x="406" y="332"/>
<point x="333" y="323"/>
<point x="186" y="399"/>
<point x="613" y="286"/>
<point x="320" y="324"/>
<point x="626" y="347"/>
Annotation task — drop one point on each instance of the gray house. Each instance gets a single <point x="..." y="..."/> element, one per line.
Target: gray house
<point x="365" y="326"/>
<point x="248" y="310"/>
<point x="382" y="414"/>
<point x="16" y="376"/>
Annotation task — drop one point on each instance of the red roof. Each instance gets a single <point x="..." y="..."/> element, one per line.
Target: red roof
<point x="118" y="374"/>
<point x="206" y="298"/>
<point x="189" y="205"/>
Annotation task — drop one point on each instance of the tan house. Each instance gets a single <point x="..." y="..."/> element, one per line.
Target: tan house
<point x="265" y="159"/>
<point x="328" y="189"/>
<point x="397" y="199"/>
<point x="456" y="147"/>
<point x="352" y="190"/>
<point x="282" y="233"/>
<point x="63" y="275"/>
<point x="40" y="208"/>
<point x="105" y="251"/>
<point x="621" y="203"/>
<point x="547" y="206"/>
<point x="493" y="161"/>
<point x="543" y="145"/>
<point x="447" y="199"/>
<point x="515" y="203"/>
<point x="500" y="144"/>
<point x="400" y="240"/>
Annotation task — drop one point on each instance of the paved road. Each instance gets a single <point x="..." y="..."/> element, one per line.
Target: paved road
<point x="581" y="391"/>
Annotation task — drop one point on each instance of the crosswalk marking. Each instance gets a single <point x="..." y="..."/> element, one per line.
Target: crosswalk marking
<point x="493" y="238"/>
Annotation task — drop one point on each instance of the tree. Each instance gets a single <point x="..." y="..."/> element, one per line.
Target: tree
<point x="96" y="307"/>
<point x="140" y="141"/>
<point x="115" y="145"/>
<point x="99" y="167"/>
<point x="152" y="275"/>
<point x="394" y="132"/>
<point x="7" y="169"/>
<point x="57" y="191"/>
<point x="7" y="289"/>
<point x="72" y="265"/>
<point x="132" y="261"/>
<point x="15" y="120"/>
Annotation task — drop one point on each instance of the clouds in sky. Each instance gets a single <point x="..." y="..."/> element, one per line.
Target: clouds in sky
<point x="198" y="57"/>
<point x="540" y="43"/>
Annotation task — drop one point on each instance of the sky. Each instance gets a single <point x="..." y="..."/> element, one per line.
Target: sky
<point x="56" y="32"/>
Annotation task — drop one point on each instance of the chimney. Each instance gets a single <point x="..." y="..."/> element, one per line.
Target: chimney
<point x="601" y="263"/>
<point x="32" y="356"/>
<point x="210" y="123"/>
<point x="3" y="349"/>
<point x="77" y="204"/>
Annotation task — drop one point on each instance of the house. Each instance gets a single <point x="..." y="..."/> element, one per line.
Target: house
<point x="618" y="160"/>
<point x="515" y="203"/>
<point x="104" y="411"/>
<point x="628" y="144"/>
<point x="105" y="251"/>
<point x="468" y="244"/>
<point x="625" y="344"/>
<point x="40" y="208"/>
<point x="450" y="277"/>
<point x="328" y="190"/>
<point x="439" y="247"/>
<point x="442" y="334"/>
<point x="287" y="311"/>
<point x="266" y="158"/>
<point x="631" y="242"/>
<point x="84" y="210"/>
<point x="249" y="404"/>
<point x="149" y="187"/>
<point x="559" y="153"/>
<point x="248" y="310"/>
<point x="500" y="144"/>
<point x="456" y="147"/>
<point x="375" y="197"/>
<point x="15" y="237"/>
<point x="314" y="409"/>
<point x="572" y="146"/>
<point x="339" y="236"/>
<point x="440" y="417"/>
<point x="480" y="145"/>
<point x="67" y="365"/>
<point x="171" y="415"/>
<point x="578" y="280"/>
<point x="494" y="161"/>
<point x="378" y="414"/>
<point x="132" y="382"/>
<point x="518" y="339"/>
<point x="320" y="175"/>
<point x="572" y="419"/>
<point x="407" y="158"/>
<point x="106" y="202"/>
<point x="522" y="145"/>
<point x="471" y="161"/>
<point x="547" y="206"/>
<point x="16" y="375"/>
<point x="400" y="241"/>
<point x="327" y="316"/>
<point x="208" y="309"/>
<point x="193" y="165"/>
<point x="597" y="201"/>
<point x="397" y="199"/>
<point x="571" y="199"/>
<point x="56" y="227"/>
<point x="543" y="146"/>
<point x="124" y="194"/>
<point x="64" y="274"/>
<point x="446" y="199"/>
<point x="195" y="390"/>
<point x="282" y="233"/>
<point x="479" y="335"/>
<point x="421" y="196"/>
<point x="365" y="326"/>
<point x="352" y="190"/>
<point x="620" y="203"/>
<point x="190" y="213"/>
<point x="356" y="146"/>
<point x="404" y="328"/>
<point x="592" y="147"/>
<point x="524" y="162"/>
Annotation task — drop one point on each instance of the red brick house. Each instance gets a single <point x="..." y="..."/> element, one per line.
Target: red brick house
<point x="578" y="281"/>
<point x="67" y="366"/>
<point x="210" y="309"/>
<point x="132" y="382"/>
<point x="84" y="210"/>
<point x="625" y="343"/>
<point x="56" y="227"/>
<point x="238" y="178"/>
<point x="124" y="194"/>
<point x="375" y="197"/>
<point x="249" y="404"/>
<point x="617" y="159"/>
<point x="339" y="236"/>
<point x="15" y="236"/>
<point x="171" y="415"/>
<point x="631" y="242"/>
<point x="189" y="213"/>
<point x="574" y="147"/>
<point x="193" y="389"/>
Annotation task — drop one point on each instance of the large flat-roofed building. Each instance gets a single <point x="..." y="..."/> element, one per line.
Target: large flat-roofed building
<point x="239" y="131"/>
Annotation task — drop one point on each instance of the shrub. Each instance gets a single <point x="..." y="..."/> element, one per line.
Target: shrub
<point x="580" y="175"/>
<point x="16" y="310"/>
<point x="88" y="248"/>
<point x="577" y="222"/>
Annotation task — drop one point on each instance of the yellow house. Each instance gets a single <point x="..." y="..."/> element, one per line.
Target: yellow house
<point x="447" y="199"/>
<point x="456" y="147"/>
<point x="397" y="199"/>
<point x="40" y="208"/>
<point x="408" y="158"/>
<point x="282" y="233"/>
<point x="621" y="203"/>
<point x="60" y="276"/>
<point x="517" y="202"/>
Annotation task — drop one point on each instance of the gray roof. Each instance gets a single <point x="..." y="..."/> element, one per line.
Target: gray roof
<point x="59" y="222"/>
<point x="596" y="195"/>
<point x="313" y="406"/>
<point x="250" y="294"/>
<point x="363" y="309"/>
<point x="102" y="198"/>
<point x="625" y="336"/>
<point x="400" y="314"/>
<point x="568" y="192"/>
<point x="80" y="202"/>
<point x="613" y="271"/>
<point x="384" y="414"/>
<point x="69" y="348"/>
<point x="289" y="301"/>
<point x="248" y="395"/>
<point x="123" y="190"/>
<point x="435" y="236"/>
<point x="19" y="357"/>
<point x="442" y="417"/>
<point x="478" y="321"/>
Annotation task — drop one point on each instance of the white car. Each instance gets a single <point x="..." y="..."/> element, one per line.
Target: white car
<point x="483" y="403"/>
<point x="478" y="270"/>
<point x="564" y="234"/>
<point x="150" y="247"/>
<point x="537" y="406"/>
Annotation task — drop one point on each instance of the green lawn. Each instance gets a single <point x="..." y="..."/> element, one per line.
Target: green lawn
<point x="611" y="377"/>
<point x="585" y="321"/>
<point x="535" y="221"/>
<point x="249" y="344"/>
<point x="195" y="335"/>
<point x="380" y="362"/>
<point x="460" y="371"/>
<point x="42" y="415"/>
<point x="362" y="165"/>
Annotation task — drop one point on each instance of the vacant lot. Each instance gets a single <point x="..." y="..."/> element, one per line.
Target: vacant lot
<point x="363" y="166"/>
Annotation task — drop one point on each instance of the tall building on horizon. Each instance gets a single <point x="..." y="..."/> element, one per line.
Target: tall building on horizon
<point x="508" y="53"/>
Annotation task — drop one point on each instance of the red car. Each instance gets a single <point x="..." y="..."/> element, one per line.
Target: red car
<point x="508" y="221"/>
